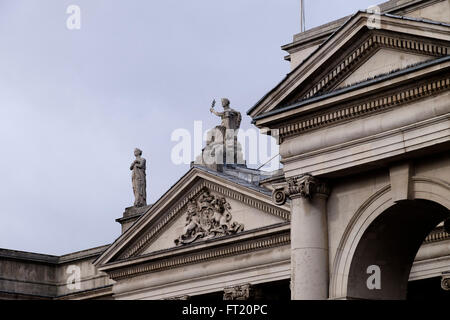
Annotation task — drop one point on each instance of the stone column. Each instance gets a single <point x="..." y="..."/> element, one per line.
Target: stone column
<point x="309" y="237"/>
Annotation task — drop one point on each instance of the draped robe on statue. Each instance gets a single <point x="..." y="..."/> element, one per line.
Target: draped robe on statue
<point x="139" y="183"/>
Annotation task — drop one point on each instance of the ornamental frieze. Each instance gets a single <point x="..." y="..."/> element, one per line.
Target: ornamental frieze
<point x="208" y="217"/>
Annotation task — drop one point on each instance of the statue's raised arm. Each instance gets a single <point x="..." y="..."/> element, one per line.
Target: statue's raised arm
<point x="219" y="114"/>
<point x="231" y="119"/>
<point x="222" y="146"/>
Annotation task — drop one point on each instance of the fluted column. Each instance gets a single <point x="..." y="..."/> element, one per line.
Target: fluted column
<point x="309" y="237"/>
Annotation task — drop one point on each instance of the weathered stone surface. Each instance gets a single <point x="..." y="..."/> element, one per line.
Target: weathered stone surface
<point x="138" y="179"/>
<point x="379" y="145"/>
<point x="208" y="217"/>
<point x="231" y="119"/>
<point x="27" y="276"/>
<point x="241" y="292"/>
<point x="130" y="215"/>
<point x="131" y="211"/>
<point x="222" y="147"/>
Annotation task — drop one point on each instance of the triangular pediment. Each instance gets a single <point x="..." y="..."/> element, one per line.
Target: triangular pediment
<point x="372" y="54"/>
<point x="202" y="207"/>
<point x="206" y="218"/>
<point x="356" y="53"/>
<point x="384" y="61"/>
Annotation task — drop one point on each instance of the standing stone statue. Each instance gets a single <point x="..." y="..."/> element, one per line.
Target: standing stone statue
<point x="138" y="179"/>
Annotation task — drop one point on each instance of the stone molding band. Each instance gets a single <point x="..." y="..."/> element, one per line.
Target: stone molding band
<point x="207" y="255"/>
<point x="239" y="292"/>
<point x="368" y="107"/>
<point x="179" y="298"/>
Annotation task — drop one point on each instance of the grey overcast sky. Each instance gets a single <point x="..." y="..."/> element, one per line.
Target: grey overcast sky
<point x="74" y="104"/>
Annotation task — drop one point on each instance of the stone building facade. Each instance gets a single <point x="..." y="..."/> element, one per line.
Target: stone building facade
<point x="360" y="209"/>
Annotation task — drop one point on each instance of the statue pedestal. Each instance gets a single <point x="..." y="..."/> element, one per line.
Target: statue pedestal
<point x="217" y="155"/>
<point x="130" y="215"/>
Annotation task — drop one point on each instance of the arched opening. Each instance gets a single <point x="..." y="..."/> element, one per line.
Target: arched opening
<point x="388" y="247"/>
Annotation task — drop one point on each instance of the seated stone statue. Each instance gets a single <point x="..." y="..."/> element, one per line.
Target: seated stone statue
<point x="231" y="119"/>
<point x="222" y="147"/>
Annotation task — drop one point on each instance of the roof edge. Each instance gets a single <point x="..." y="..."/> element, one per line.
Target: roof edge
<point x="354" y="87"/>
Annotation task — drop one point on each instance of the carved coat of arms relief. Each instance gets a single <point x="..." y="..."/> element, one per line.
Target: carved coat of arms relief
<point x="207" y="217"/>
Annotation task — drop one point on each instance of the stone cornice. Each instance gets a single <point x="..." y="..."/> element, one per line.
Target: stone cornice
<point x="50" y="259"/>
<point x="182" y="298"/>
<point x="325" y="30"/>
<point x="9" y="295"/>
<point x="87" y="294"/>
<point x="438" y="234"/>
<point x="368" y="107"/>
<point x="216" y="252"/>
<point x="132" y="217"/>
<point x="198" y="246"/>
<point x="397" y="79"/>
<point x="221" y="250"/>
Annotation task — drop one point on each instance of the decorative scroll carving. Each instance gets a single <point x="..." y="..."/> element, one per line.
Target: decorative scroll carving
<point x="279" y="195"/>
<point x="305" y="186"/>
<point x="208" y="217"/>
<point x="445" y="282"/>
<point x="241" y="292"/>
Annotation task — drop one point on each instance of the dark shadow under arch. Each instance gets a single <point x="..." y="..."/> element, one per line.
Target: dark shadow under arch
<point x="391" y="242"/>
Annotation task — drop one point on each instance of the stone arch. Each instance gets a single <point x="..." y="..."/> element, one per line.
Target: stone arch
<point x="376" y="217"/>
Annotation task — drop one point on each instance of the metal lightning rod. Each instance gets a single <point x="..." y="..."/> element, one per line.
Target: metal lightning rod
<point x="302" y="16"/>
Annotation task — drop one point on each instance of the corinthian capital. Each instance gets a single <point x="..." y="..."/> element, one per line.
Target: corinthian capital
<point x="242" y="292"/>
<point x="304" y="186"/>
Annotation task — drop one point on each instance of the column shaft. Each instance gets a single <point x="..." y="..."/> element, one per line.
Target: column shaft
<point x="309" y="248"/>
